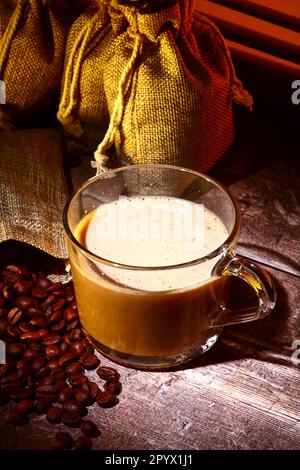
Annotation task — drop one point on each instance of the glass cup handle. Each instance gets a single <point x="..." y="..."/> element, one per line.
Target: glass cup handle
<point x="261" y="283"/>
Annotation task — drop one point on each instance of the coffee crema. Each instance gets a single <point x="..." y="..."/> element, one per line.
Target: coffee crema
<point x="149" y="312"/>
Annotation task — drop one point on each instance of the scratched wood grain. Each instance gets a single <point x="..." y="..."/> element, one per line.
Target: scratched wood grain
<point x="270" y="206"/>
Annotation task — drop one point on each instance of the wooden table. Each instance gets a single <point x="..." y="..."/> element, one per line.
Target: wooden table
<point x="244" y="393"/>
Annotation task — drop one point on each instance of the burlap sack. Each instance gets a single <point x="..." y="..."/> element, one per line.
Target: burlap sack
<point x="166" y="75"/>
<point x="32" y="189"/>
<point x="32" y="43"/>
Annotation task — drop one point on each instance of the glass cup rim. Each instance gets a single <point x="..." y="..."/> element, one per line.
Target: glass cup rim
<point x="223" y="248"/>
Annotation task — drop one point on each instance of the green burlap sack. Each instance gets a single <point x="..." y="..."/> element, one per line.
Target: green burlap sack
<point x="164" y="76"/>
<point x="32" y="44"/>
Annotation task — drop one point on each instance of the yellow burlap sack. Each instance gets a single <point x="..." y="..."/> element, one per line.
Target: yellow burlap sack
<point x="32" y="189"/>
<point x="167" y="78"/>
<point x="32" y="43"/>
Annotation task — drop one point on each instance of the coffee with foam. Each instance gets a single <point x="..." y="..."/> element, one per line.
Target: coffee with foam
<point x="149" y="312"/>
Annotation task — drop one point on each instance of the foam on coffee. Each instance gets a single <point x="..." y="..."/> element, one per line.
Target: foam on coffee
<point x="152" y="231"/>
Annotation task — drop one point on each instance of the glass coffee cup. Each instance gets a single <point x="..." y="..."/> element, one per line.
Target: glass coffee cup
<point x="152" y="253"/>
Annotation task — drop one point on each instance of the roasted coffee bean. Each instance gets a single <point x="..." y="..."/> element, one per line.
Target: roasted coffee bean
<point x="93" y="389"/>
<point x="12" y="331"/>
<point x="22" y="394"/>
<point x="89" y="361"/>
<point x="59" y="293"/>
<point x="66" y="359"/>
<point x="45" y="390"/>
<point x="47" y="312"/>
<point x="24" y="327"/>
<point x="83" y="443"/>
<point x="43" y="283"/>
<point x="14" y="416"/>
<point x="106" y="399"/>
<point x="88" y="428"/>
<point x="42" y="405"/>
<point x="34" y="312"/>
<point x="59" y="374"/>
<point x="113" y="385"/>
<point x="70" y="315"/>
<point x="55" y="287"/>
<point x="24" y="370"/>
<point x="25" y="302"/>
<point x="22" y="288"/>
<point x="30" y="336"/>
<point x="53" y="365"/>
<point x="4" y="397"/>
<point x="38" y="322"/>
<point x="11" y="273"/>
<point x="73" y="305"/>
<point x="50" y="300"/>
<point x="25" y="406"/>
<point x="66" y="339"/>
<point x="14" y="350"/>
<point x="42" y="372"/>
<point x="54" y="415"/>
<point x="2" y="301"/>
<point x="9" y="377"/>
<point x="60" y="385"/>
<point x="52" y="339"/>
<point x="77" y="348"/>
<point x="65" y="394"/>
<point x="70" y="419"/>
<point x="88" y="346"/>
<point x="30" y="354"/>
<point x="82" y="396"/>
<point x="73" y="368"/>
<point x="65" y="347"/>
<point x="11" y="387"/>
<point x="53" y="352"/>
<point x="43" y="332"/>
<point x="76" y="335"/>
<point x="72" y="326"/>
<point x="106" y="373"/>
<point x="59" y="326"/>
<point x="73" y="406"/>
<point x="55" y="317"/>
<point x="70" y="297"/>
<point x="8" y="293"/>
<point x="36" y="346"/>
<point x="48" y="380"/>
<point x="38" y="293"/>
<point x="78" y="380"/>
<point x="14" y="316"/>
<point x="59" y="304"/>
<point x="38" y="363"/>
<point x="65" y="440"/>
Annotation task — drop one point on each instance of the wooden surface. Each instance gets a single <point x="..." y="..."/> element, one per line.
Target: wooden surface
<point x="244" y="393"/>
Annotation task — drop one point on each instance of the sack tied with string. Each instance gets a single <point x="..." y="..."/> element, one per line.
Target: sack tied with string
<point x="33" y="34"/>
<point x="153" y="80"/>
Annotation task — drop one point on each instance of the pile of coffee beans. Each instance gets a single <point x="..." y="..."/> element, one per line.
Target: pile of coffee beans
<point x="47" y="355"/>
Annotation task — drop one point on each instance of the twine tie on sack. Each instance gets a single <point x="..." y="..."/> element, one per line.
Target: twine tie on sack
<point x="68" y="103"/>
<point x="100" y="156"/>
<point x="6" y="40"/>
